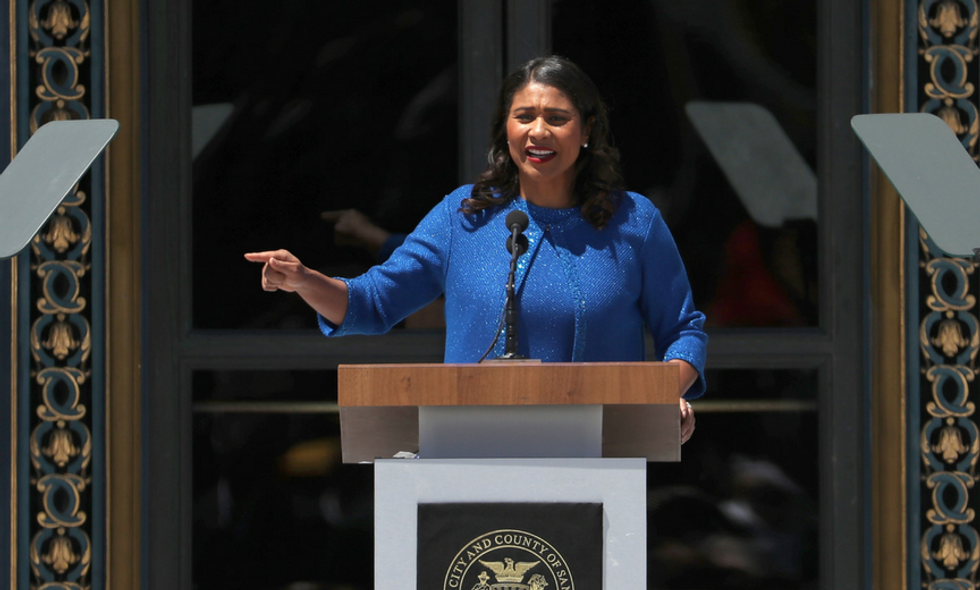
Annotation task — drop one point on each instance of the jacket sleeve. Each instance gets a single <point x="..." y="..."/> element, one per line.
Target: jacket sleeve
<point x="668" y="306"/>
<point x="413" y="276"/>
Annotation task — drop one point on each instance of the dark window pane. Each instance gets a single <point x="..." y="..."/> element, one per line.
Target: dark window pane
<point x="761" y="385"/>
<point x="649" y="60"/>
<point x="740" y="510"/>
<point x="274" y="508"/>
<point x="265" y="386"/>
<point x="302" y="107"/>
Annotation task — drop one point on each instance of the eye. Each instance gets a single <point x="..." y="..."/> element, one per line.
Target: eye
<point x="557" y="120"/>
<point x="524" y="117"/>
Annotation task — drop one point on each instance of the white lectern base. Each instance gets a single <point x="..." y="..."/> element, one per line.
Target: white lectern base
<point x="619" y="484"/>
<point x="484" y="432"/>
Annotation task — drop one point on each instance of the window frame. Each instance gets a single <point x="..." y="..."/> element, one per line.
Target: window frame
<point x="172" y="349"/>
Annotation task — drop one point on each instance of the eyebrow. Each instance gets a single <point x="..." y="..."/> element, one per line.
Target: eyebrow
<point x="547" y="110"/>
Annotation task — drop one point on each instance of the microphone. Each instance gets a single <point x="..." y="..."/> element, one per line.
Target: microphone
<point x="517" y="245"/>
<point x="517" y="222"/>
<point x="518" y="219"/>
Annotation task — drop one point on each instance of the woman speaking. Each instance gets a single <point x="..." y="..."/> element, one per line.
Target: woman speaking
<point x="600" y="262"/>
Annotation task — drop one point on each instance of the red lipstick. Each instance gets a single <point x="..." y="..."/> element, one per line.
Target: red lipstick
<point x="540" y="155"/>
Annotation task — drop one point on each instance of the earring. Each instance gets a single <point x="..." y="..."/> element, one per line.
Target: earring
<point x="585" y="145"/>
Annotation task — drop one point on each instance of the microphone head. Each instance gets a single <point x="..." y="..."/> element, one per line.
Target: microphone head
<point x="518" y="218"/>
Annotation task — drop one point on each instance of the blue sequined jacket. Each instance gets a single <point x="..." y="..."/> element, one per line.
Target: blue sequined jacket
<point x="583" y="294"/>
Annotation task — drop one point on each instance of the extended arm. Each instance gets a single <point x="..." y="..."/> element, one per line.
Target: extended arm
<point x="281" y="271"/>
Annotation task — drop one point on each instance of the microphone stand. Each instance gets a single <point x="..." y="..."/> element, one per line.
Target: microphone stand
<point x="510" y="313"/>
<point x="517" y="245"/>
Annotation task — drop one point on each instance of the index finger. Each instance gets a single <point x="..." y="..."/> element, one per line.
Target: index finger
<point x="331" y="215"/>
<point x="266" y="256"/>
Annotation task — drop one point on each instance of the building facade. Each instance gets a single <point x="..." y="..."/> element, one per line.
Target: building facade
<point x="171" y="426"/>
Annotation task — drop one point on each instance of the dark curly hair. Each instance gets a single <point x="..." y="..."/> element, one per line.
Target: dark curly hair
<point x="597" y="171"/>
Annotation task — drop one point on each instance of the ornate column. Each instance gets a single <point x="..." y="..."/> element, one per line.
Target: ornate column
<point x="943" y="321"/>
<point x="60" y="462"/>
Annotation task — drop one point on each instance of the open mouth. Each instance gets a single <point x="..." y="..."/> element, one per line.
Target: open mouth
<point x="540" y="155"/>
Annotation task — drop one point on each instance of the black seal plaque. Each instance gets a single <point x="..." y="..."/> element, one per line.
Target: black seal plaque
<point x="510" y="546"/>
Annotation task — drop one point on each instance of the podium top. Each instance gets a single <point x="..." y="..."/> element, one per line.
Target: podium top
<point x="380" y="405"/>
<point x="505" y="384"/>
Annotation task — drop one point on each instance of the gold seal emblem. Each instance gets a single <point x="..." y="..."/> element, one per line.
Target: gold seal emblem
<point x="508" y="556"/>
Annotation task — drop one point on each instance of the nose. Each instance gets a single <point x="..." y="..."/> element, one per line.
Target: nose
<point x="539" y="128"/>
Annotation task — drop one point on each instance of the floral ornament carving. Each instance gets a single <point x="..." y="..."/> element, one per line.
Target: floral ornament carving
<point x="950" y="445"/>
<point x="952" y="117"/>
<point x="61" y="446"/>
<point x="51" y="22"/>
<point x="61" y="554"/>
<point x="948" y="18"/>
<point x="60" y="234"/>
<point x="950" y="338"/>
<point x="59" y="20"/>
<point x="951" y="551"/>
<point x="61" y="551"/>
<point x="61" y="340"/>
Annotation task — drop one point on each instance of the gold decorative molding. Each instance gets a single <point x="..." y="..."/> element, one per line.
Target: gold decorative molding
<point x="888" y="463"/>
<point x="123" y="467"/>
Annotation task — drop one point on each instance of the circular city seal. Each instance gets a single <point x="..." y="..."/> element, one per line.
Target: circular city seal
<point x="508" y="559"/>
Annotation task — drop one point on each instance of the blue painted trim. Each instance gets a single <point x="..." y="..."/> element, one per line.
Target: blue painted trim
<point x="5" y="96"/>
<point x="23" y="417"/>
<point x="913" y="408"/>
<point x="6" y="335"/>
<point x="23" y="95"/>
<point x="911" y="56"/>
<point x="913" y="394"/>
<point x="5" y="410"/>
<point x="100" y="360"/>
<point x="98" y="65"/>
<point x="23" y="360"/>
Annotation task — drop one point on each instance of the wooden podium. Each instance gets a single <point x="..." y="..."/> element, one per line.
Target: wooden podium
<point x="632" y="408"/>
<point x="510" y="433"/>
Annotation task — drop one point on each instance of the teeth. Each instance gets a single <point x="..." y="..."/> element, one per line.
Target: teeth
<point x="540" y="152"/>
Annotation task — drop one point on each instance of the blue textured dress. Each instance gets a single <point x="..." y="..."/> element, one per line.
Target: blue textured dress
<point x="583" y="294"/>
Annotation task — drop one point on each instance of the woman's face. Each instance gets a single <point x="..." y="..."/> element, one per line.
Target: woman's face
<point x="545" y="133"/>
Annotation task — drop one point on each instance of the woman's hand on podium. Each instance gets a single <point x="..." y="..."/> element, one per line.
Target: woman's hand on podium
<point x="688" y="375"/>
<point x="687" y="420"/>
